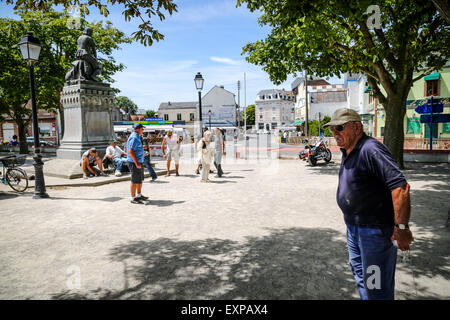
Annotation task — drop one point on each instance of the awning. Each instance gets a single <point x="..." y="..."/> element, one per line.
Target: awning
<point x="149" y="128"/>
<point x="298" y="123"/>
<point x="433" y="76"/>
<point x="123" y="128"/>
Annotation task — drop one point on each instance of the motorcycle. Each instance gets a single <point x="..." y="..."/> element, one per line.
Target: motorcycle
<point x="318" y="151"/>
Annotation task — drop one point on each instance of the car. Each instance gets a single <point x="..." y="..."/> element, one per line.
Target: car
<point x="43" y="143"/>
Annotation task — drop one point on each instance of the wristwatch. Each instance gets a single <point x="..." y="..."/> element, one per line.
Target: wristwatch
<point x="402" y="226"/>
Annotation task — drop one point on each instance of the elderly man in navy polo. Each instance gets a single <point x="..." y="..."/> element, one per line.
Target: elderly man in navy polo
<point x="373" y="194"/>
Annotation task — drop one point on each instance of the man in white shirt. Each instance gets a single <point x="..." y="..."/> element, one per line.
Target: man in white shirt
<point x="172" y="142"/>
<point x="114" y="153"/>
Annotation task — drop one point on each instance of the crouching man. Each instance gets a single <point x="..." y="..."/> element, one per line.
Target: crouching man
<point x="89" y="160"/>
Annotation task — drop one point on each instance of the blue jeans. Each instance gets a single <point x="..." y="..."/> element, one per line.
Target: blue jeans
<point x="149" y="167"/>
<point x="373" y="258"/>
<point x="119" y="162"/>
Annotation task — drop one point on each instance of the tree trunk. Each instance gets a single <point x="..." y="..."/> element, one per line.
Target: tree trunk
<point x="394" y="134"/>
<point x="22" y="128"/>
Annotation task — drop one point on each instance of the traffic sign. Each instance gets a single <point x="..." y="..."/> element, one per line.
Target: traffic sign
<point x="436" y="118"/>
<point x="438" y="107"/>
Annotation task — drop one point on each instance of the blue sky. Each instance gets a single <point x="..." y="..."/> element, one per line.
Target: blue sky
<point x="204" y="36"/>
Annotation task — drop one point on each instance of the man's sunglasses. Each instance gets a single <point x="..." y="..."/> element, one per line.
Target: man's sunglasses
<point x="340" y="127"/>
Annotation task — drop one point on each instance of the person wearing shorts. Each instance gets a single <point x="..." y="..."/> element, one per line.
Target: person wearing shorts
<point x="88" y="161"/>
<point x="173" y="151"/>
<point x="135" y="158"/>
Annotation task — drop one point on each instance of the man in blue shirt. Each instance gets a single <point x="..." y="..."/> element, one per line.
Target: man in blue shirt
<point x="135" y="158"/>
<point x="373" y="194"/>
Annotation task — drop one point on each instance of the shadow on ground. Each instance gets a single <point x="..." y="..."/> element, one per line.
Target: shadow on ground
<point x="430" y="251"/>
<point x="164" y="203"/>
<point x="294" y="263"/>
<point x="109" y="199"/>
<point x="14" y="194"/>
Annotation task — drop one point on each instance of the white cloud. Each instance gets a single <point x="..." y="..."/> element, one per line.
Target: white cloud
<point x="226" y="60"/>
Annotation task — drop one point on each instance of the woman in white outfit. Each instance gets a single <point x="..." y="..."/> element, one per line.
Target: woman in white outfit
<point x="207" y="155"/>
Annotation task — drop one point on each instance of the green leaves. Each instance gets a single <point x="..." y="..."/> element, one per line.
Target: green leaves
<point x="144" y="10"/>
<point x="126" y="104"/>
<point x="57" y="53"/>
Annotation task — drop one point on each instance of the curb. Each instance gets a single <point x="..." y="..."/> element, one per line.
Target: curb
<point x="100" y="183"/>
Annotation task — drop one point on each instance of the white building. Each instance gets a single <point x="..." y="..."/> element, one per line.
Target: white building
<point x="324" y="98"/>
<point x="221" y="103"/>
<point x="358" y="99"/>
<point x="274" y="108"/>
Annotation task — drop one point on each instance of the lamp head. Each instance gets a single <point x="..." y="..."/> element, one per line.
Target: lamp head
<point x="199" y="81"/>
<point x="30" y="47"/>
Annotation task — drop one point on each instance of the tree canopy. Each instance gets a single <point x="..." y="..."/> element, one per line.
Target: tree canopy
<point x="144" y="10"/>
<point x="250" y="114"/>
<point x="58" y="51"/>
<point x="387" y="40"/>
<point x="150" y="113"/>
<point x="126" y="104"/>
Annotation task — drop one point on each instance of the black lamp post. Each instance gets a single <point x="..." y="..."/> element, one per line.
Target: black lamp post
<point x="209" y="114"/>
<point x="199" y="85"/>
<point x="30" y="49"/>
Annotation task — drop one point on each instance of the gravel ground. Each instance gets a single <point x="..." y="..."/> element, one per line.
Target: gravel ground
<point x="267" y="229"/>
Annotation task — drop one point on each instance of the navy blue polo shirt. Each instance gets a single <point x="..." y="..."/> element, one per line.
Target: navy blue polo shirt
<point x="366" y="178"/>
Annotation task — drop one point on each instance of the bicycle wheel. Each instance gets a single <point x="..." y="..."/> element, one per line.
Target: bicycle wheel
<point x="17" y="179"/>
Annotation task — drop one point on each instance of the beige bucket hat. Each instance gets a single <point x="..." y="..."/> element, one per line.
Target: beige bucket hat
<point x="343" y="115"/>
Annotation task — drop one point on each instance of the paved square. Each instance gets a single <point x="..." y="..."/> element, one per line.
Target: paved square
<point x="266" y="230"/>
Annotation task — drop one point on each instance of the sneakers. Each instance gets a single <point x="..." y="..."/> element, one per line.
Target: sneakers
<point x="197" y="171"/>
<point x="136" y="201"/>
<point x="141" y="197"/>
<point x="153" y="179"/>
<point x="118" y="174"/>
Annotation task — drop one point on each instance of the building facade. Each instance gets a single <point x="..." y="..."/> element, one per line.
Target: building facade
<point x="47" y="122"/>
<point x="434" y="85"/>
<point x="221" y="103"/>
<point x="274" y="108"/>
<point x="218" y="104"/>
<point x="323" y="98"/>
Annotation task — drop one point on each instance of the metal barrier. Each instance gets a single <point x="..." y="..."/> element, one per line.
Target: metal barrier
<point x="409" y="143"/>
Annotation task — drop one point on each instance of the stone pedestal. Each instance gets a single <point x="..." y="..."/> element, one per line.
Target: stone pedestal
<point x="88" y="122"/>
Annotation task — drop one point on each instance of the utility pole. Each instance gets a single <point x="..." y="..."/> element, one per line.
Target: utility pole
<point x="319" y="124"/>
<point x="306" y="106"/>
<point x="239" y="103"/>
<point x="245" y="107"/>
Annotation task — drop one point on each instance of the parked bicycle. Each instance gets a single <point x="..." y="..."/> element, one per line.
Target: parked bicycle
<point x="15" y="177"/>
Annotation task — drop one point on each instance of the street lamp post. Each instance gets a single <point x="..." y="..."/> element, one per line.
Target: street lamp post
<point x="199" y="85"/>
<point x="209" y="114"/>
<point x="30" y="49"/>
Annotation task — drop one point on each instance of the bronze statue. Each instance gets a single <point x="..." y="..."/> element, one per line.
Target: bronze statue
<point x="86" y="65"/>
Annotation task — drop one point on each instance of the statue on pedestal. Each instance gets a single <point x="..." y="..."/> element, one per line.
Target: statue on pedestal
<point x="86" y="65"/>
